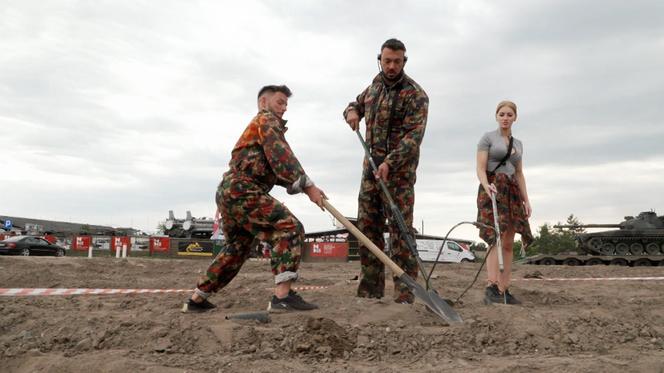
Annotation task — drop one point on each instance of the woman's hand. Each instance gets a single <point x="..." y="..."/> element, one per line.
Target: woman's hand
<point x="491" y="190"/>
<point x="527" y="208"/>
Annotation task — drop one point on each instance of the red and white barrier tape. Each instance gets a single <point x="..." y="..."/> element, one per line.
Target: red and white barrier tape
<point x="309" y="287"/>
<point x="303" y="288"/>
<point x="22" y="292"/>
<point x="74" y="291"/>
<point x="592" y="279"/>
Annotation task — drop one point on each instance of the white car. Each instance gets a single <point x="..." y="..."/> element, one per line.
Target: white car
<point x="452" y="252"/>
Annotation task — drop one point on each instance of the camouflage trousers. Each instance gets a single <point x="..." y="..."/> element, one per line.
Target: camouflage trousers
<point x="249" y="215"/>
<point x="511" y="212"/>
<point x="373" y="210"/>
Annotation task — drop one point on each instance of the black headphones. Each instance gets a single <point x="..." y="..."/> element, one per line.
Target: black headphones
<point x="405" y="58"/>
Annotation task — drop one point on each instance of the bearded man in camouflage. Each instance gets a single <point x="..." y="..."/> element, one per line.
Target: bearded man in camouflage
<point x="260" y="159"/>
<point x="395" y="110"/>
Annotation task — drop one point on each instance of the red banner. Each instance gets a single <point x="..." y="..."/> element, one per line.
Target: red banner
<point x="119" y="241"/>
<point x="50" y="238"/>
<point x="159" y="244"/>
<point x="328" y="249"/>
<point x="81" y="243"/>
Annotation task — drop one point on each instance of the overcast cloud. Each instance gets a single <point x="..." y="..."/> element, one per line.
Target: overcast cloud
<point x="114" y="112"/>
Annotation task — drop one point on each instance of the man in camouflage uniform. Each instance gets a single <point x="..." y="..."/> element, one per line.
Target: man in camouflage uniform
<point x="260" y="159"/>
<point x="394" y="109"/>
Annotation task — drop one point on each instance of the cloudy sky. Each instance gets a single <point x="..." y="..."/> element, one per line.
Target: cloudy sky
<point x="114" y="112"/>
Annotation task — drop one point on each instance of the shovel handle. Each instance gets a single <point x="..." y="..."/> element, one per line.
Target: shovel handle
<point x="396" y="270"/>
<point x="397" y="216"/>
<point x="499" y="244"/>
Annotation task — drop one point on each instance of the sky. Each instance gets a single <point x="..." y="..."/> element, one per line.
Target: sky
<point x="115" y="112"/>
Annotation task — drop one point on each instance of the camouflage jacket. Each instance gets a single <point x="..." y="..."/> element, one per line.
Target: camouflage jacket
<point x="262" y="158"/>
<point x="405" y="130"/>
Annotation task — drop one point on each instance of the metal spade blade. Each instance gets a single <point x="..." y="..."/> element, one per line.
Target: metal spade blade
<point x="432" y="300"/>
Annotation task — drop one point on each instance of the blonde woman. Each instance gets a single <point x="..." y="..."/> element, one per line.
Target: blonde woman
<point x="500" y="172"/>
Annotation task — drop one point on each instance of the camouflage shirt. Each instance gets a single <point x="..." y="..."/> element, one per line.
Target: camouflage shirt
<point x="262" y="158"/>
<point x="398" y="139"/>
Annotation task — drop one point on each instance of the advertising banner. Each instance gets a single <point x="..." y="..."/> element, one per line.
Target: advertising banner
<point x="195" y="247"/>
<point x="326" y="251"/>
<point x="119" y="241"/>
<point x="159" y="244"/>
<point x="81" y="243"/>
<point x="50" y="238"/>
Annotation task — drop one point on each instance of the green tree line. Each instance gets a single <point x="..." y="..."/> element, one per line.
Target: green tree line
<point x="548" y="240"/>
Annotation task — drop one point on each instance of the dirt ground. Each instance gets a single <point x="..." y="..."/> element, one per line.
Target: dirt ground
<point x="570" y="326"/>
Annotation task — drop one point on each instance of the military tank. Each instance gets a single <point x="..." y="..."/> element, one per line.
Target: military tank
<point x="637" y="241"/>
<point x="189" y="227"/>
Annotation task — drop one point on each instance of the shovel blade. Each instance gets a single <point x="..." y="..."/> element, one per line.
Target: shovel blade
<point x="433" y="301"/>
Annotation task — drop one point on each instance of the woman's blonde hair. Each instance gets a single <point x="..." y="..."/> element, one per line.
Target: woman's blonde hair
<point x="507" y="103"/>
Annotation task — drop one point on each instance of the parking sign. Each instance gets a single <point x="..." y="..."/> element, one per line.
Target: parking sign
<point x="8" y="224"/>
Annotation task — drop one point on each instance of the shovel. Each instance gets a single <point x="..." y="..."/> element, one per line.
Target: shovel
<point x="499" y="244"/>
<point x="432" y="300"/>
<point x="396" y="213"/>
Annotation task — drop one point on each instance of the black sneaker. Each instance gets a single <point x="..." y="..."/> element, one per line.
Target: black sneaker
<point x="510" y="298"/>
<point x="191" y="306"/>
<point x="292" y="302"/>
<point x="492" y="295"/>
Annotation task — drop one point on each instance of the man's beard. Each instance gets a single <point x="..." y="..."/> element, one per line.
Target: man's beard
<point x="389" y="80"/>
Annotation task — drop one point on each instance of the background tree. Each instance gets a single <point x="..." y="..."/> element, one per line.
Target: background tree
<point x="575" y="223"/>
<point x="478" y="246"/>
<point x="556" y="240"/>
<point x="516" y="249"/>
<point x="161" y="227"/>
<point x="85" y="229"/>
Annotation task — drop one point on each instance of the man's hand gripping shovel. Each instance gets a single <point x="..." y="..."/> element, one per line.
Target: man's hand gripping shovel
<point x="446" y="311"/>
<point x="432" y="300"/>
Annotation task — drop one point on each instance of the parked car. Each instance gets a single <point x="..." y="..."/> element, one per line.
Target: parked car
<point x="452" y="252"/>
<point x="30" y="245"/>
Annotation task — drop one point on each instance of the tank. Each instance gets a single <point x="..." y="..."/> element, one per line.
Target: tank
<point x="639" y="236"/>
<point x="189" y="227"/>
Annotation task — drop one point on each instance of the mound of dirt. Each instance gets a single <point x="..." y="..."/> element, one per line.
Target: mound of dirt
<point x="573" y="326"/>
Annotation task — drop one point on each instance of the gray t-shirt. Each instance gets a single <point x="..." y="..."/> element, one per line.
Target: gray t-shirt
<point x="494" y="143"/>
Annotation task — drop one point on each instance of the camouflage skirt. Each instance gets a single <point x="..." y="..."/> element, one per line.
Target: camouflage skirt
<point x="511" y="212"/>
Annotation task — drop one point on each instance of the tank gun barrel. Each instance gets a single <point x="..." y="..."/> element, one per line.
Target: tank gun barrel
<point x="587" y="226"/>
<point x="198" y="224"/>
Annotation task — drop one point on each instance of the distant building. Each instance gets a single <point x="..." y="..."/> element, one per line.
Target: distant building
<point x="341" y="234"/>
<point x="58" y="228"/>
<point x="126" y="231"/>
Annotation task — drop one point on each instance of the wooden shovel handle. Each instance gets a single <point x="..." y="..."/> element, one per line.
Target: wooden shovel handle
<point x="396" y="270"/>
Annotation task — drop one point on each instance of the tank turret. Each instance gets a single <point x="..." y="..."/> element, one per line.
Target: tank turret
<point x="189" y="227"/>
<point x="642" y="235"/>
